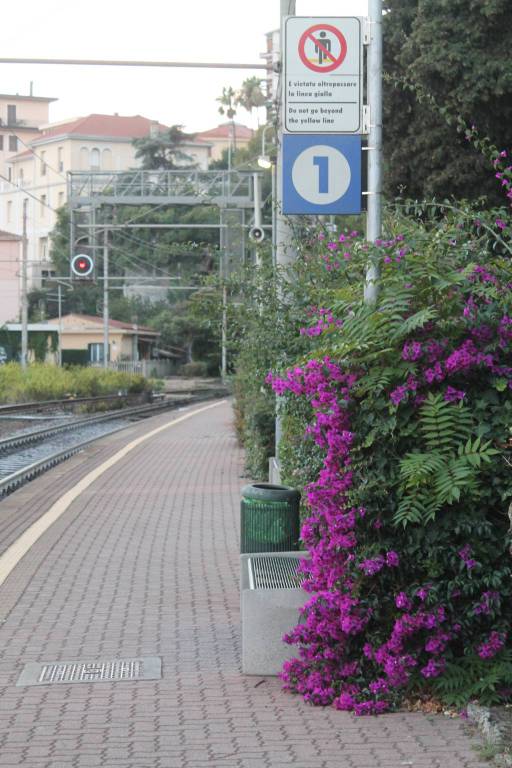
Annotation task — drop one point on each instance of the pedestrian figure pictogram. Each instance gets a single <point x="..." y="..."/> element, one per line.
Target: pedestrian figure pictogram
<point x="319" y="52"/>
<point x="324" y="50"/>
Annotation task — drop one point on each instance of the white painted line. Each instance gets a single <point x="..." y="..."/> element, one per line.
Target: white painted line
<point x="12" y="556"/>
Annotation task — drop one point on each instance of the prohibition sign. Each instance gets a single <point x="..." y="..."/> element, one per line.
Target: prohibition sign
<point x="309" y="35"/>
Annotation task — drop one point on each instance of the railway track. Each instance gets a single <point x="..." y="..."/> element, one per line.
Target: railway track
<point x="26" y="455"/>
<point x="41" y="406"/>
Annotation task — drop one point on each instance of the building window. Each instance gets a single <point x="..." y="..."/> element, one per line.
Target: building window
<point x="1" y="142"/>
<point x="96" y="353"/>
<point x="61" y="199"/>
<point x="13" y="143"/>
<point x="43" y="164"/>
<point x="84" y="159"/>
<point x="43" y="206"/>
<point x="21" y="177"/>
<point x="11" y="114"/>
<point x="60" y="160"/>
<point x="106" y="160"/>
<point x="43" y="249"/>
<point x="9" y="210"/>
<point x="47" y="273"/>
<point x="95" y="160"/>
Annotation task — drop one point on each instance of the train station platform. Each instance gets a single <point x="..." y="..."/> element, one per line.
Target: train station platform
<point x="130" y="550"/>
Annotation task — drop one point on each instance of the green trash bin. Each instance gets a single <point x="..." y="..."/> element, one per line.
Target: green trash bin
<point x="269" y="518"/>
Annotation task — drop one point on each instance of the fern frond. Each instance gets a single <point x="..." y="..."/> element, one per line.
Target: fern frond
<point x="444" y="425"/>
<point x="412" y="323"/>
<point x="471" y="677"/>
<point x="415" y="468"/>
<point x="418" y="508"/>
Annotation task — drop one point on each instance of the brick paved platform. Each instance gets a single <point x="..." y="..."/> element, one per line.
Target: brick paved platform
<point x="145" y="563"/>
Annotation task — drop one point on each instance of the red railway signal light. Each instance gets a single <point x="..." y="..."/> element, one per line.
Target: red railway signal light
<point x="82" y="265"/>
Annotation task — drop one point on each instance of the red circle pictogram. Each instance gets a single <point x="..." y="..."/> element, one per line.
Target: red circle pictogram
<point x="336" y="61"/>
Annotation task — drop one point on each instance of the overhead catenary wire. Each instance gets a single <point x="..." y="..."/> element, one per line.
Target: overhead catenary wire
<point x="135" y="260"/>
<point x="39" y="157"/>
<point x="155" y="246"/>
<point x="29" y="194"/>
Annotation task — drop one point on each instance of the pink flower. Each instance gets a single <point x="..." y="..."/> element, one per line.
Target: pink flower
<point x="403" y="602"/>
<point x="433" y="668"/>
<point x="392" y="559"/>
<point x="494" y="644"/>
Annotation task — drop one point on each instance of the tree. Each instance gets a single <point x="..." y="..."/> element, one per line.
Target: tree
<point x="444" y="59"/>
<point x="184" y="326"/>
<point x="227" y="103"/>
<point x="250" y="96"/>
<point x="163" y="151"/>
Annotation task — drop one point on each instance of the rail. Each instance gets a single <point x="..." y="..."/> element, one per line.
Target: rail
<point x="21" y="475"/>
<point x="42" y="404"/>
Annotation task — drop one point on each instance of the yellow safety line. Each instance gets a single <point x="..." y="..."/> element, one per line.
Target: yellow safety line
<point x="12" y="556"/>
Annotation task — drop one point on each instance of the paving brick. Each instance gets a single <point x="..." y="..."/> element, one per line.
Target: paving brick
<point x="145" y="562"/>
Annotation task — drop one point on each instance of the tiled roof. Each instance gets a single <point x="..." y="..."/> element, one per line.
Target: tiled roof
<point x="112" y="323"/>
<point x="224" y="131"/>
<point x="111" y="126"/>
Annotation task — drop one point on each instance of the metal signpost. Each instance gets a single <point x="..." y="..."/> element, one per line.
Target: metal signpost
<point x="322" y="120"/>
<point x="374" y="88"/>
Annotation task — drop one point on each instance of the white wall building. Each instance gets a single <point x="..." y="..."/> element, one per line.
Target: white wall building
<point x="20" y="121"/>
<point x="38" y="174"/>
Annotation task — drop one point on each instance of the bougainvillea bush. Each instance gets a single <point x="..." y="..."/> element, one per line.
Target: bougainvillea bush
<point x="406" y="406"/>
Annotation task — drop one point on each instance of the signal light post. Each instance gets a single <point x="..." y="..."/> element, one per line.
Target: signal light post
<point x="82" y="268"/>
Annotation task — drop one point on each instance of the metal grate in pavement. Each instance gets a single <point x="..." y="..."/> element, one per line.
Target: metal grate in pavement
<point x="269" y="572"/>
<point x="103" y="671"/>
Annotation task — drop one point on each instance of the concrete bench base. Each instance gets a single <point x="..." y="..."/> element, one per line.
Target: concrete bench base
<point x="267" y="614"/>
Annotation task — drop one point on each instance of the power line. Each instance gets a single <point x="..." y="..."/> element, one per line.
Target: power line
<point x="26" y="192"/>
<point x="171" y="287"/>
<point x="139" y="240"/>
<point x="134" y="260"/>
<point x="39" y="157"/>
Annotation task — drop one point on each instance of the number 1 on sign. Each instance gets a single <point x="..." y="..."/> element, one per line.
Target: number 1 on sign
<point x="322" y="162"/>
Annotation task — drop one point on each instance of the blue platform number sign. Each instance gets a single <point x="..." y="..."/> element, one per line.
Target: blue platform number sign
<point x="321" y="174"/>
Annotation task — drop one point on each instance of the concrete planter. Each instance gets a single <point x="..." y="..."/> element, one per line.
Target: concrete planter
<point x="270" y="597"/>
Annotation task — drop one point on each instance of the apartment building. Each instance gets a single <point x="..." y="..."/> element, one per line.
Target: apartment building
<point x="10" y="285"/>
<point x="225" y="135"/>
<point x="38" y="174"/>
<point x="20" y="121"/>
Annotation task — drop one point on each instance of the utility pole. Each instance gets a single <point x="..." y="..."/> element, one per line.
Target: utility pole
<point x="374" y="87"/>
<point x="24" y="295"/>
<point x="224" y="362"/>
<point x="105" y="299"/>
<point x="59" y="294"/>
<point x="257" y="210"/>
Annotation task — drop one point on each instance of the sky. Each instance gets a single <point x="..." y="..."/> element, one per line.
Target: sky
<point x="162" y="30"/>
